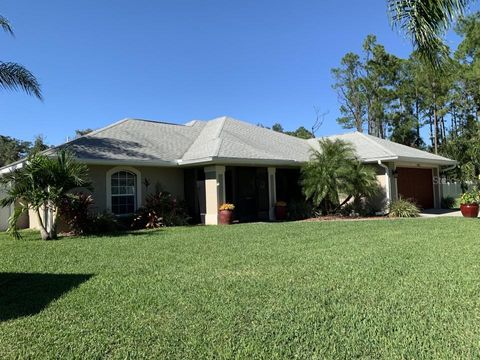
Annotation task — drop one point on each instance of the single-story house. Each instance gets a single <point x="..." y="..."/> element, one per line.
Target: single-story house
<point x="207" y="163"/>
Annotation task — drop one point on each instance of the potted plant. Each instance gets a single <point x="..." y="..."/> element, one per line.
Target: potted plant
<point x="469" y="204"/>
<point x="280" y="210"/>
<point x="226" y="213"/>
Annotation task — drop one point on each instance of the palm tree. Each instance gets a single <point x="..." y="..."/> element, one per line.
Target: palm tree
<point x="42" y="184"/>
<point x="334" y="172"/>
<point x="14" y="76"/>
<point x="425" y="22"/>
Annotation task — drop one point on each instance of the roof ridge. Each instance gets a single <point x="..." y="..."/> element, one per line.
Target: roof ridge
<point x="369" y="138"/>
<point x="217" y="137"/>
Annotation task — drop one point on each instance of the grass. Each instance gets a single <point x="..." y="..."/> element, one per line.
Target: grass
<point x="366" y="289"/>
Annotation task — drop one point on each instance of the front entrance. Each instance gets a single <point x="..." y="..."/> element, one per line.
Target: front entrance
<point x="416" y="184"/>
<point x="247" y="188"/>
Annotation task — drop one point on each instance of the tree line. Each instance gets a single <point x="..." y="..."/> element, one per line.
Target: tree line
<point x="401" y="99"/>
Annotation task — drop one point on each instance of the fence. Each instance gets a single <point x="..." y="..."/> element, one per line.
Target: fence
<point x="453" y="189"/>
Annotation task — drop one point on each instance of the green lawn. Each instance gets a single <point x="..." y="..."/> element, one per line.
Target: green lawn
<point x="368" y="289"/>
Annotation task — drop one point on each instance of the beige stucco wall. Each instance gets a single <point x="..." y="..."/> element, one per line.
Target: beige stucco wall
<point x="169" y="179"/>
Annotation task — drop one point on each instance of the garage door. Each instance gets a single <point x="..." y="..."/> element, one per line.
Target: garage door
<point x="416" y="184"/>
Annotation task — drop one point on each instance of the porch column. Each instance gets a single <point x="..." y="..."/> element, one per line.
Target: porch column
<point x="214" y="192"/>
<point x="272" y="192"/>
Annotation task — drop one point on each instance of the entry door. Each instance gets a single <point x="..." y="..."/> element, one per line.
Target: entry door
<point x="416" y="184"/>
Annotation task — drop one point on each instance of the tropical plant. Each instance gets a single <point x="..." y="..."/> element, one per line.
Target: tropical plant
<point x="74" y="209"/>
<point x="334" y="171"/>
<point x="161" y="209"/>
<point x="470" y="197"/>
<point x="403" y="208"/>
<point x="42" y="184"/>
<point x="425" y="22"/>
<point x="14" y="76"/>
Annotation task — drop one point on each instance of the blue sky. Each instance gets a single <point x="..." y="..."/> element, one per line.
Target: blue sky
<point x="260" y="61"/>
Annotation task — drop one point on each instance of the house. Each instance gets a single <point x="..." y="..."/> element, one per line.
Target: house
<point x="207" y="163"/>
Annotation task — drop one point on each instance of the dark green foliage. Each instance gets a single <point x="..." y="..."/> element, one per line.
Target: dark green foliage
<point x="425" y="22"/>
<point x="74" y="210"/>
<point x="161" y="209"/>
<point x="43" y="183"/>
<point x="107" y="223"/>
<point x="14" y="76"/>
<point x="334" y="171"/>
<point x="403" y="208"/>
<point x="299" y="209"/>
<point x="448" y="202"/>
<point x="82" y="132"/>
<point x="12" y="149"/>
<point x="380" y="289"/>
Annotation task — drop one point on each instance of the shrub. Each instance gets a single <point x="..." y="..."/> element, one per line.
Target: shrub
<point x="448" y="202"/>
<point x="74" y="210"/>
<point x="403" y="208"/>
<point x="161" y="209"/>
<point x="470" y="197"/>
<point x="104" y="223"/>
<point x="299" y="209"/>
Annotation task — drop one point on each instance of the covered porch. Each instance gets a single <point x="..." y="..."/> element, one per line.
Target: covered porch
<point x="254" y="190"/>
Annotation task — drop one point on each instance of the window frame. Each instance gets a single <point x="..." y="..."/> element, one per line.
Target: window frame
<point x="137" y="191"/>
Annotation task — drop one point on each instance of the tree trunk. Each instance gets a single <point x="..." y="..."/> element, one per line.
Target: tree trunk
<point x="435" y="129"/>
<point x="43" y="231"/>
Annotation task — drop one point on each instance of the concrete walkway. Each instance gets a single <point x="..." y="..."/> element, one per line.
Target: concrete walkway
<point x="440" y="212"/>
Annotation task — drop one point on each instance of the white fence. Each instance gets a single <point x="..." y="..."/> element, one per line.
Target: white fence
<point x="452" y="189"/>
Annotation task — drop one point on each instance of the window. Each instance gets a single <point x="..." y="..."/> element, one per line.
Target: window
<point x="124" y="192"/>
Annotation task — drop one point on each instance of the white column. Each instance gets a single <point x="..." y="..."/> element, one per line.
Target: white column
<point x="214" y="192"/>
<point x="272" y="192"/>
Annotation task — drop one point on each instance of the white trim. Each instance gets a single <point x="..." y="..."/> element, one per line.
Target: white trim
<point x="129" y="162"/>
<point x="387" y="181"/>
<point x="108" y="183"/>
<point x="272" y="191"/>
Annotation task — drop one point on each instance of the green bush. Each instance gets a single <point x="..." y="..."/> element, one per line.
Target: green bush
<point x="470" y="197"/>
<point x="104" y="223"/>
<point x="74" y="210"/>
<point x="161" y="209"/>
<point x="448" y="202"/>
<point x="299" y="209"/>
<point x="403" y="208"/>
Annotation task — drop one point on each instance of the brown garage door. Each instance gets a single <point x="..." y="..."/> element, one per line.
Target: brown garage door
<point x="416" y="184"/>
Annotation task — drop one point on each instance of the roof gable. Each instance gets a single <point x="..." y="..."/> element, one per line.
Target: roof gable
<point x="225" y="140"/>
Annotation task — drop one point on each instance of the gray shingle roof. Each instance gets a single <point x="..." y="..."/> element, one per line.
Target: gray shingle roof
<point x="371" y="149"/>
<point x="227" y="138"/>
<point x="137" y="140"/>
<point x="222" y="140"/>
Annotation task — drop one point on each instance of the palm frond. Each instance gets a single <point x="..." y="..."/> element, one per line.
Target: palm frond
<point x="425" y="22"/>
<point x="14" y="76"/>
<point x="5" y="25"/>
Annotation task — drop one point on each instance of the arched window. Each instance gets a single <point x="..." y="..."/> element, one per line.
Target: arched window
<point x="123" y="192"/>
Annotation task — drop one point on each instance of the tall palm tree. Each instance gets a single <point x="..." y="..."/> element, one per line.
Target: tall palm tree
<point x="14" y="76"/>
<point x="42" y="184"/>
<point x="425" y="22"/>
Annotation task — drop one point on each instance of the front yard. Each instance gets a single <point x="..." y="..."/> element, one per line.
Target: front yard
<point x="372" y="289"/>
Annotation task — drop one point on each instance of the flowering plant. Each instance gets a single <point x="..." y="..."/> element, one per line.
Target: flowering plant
<point x="227" y="207"/>
<point x="280" y="203"/>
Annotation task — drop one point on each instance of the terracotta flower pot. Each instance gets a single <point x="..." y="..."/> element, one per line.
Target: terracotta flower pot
<point x="226" y="217"/>
<point x="280" y="212"/>
<point x="469" y="210"/>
